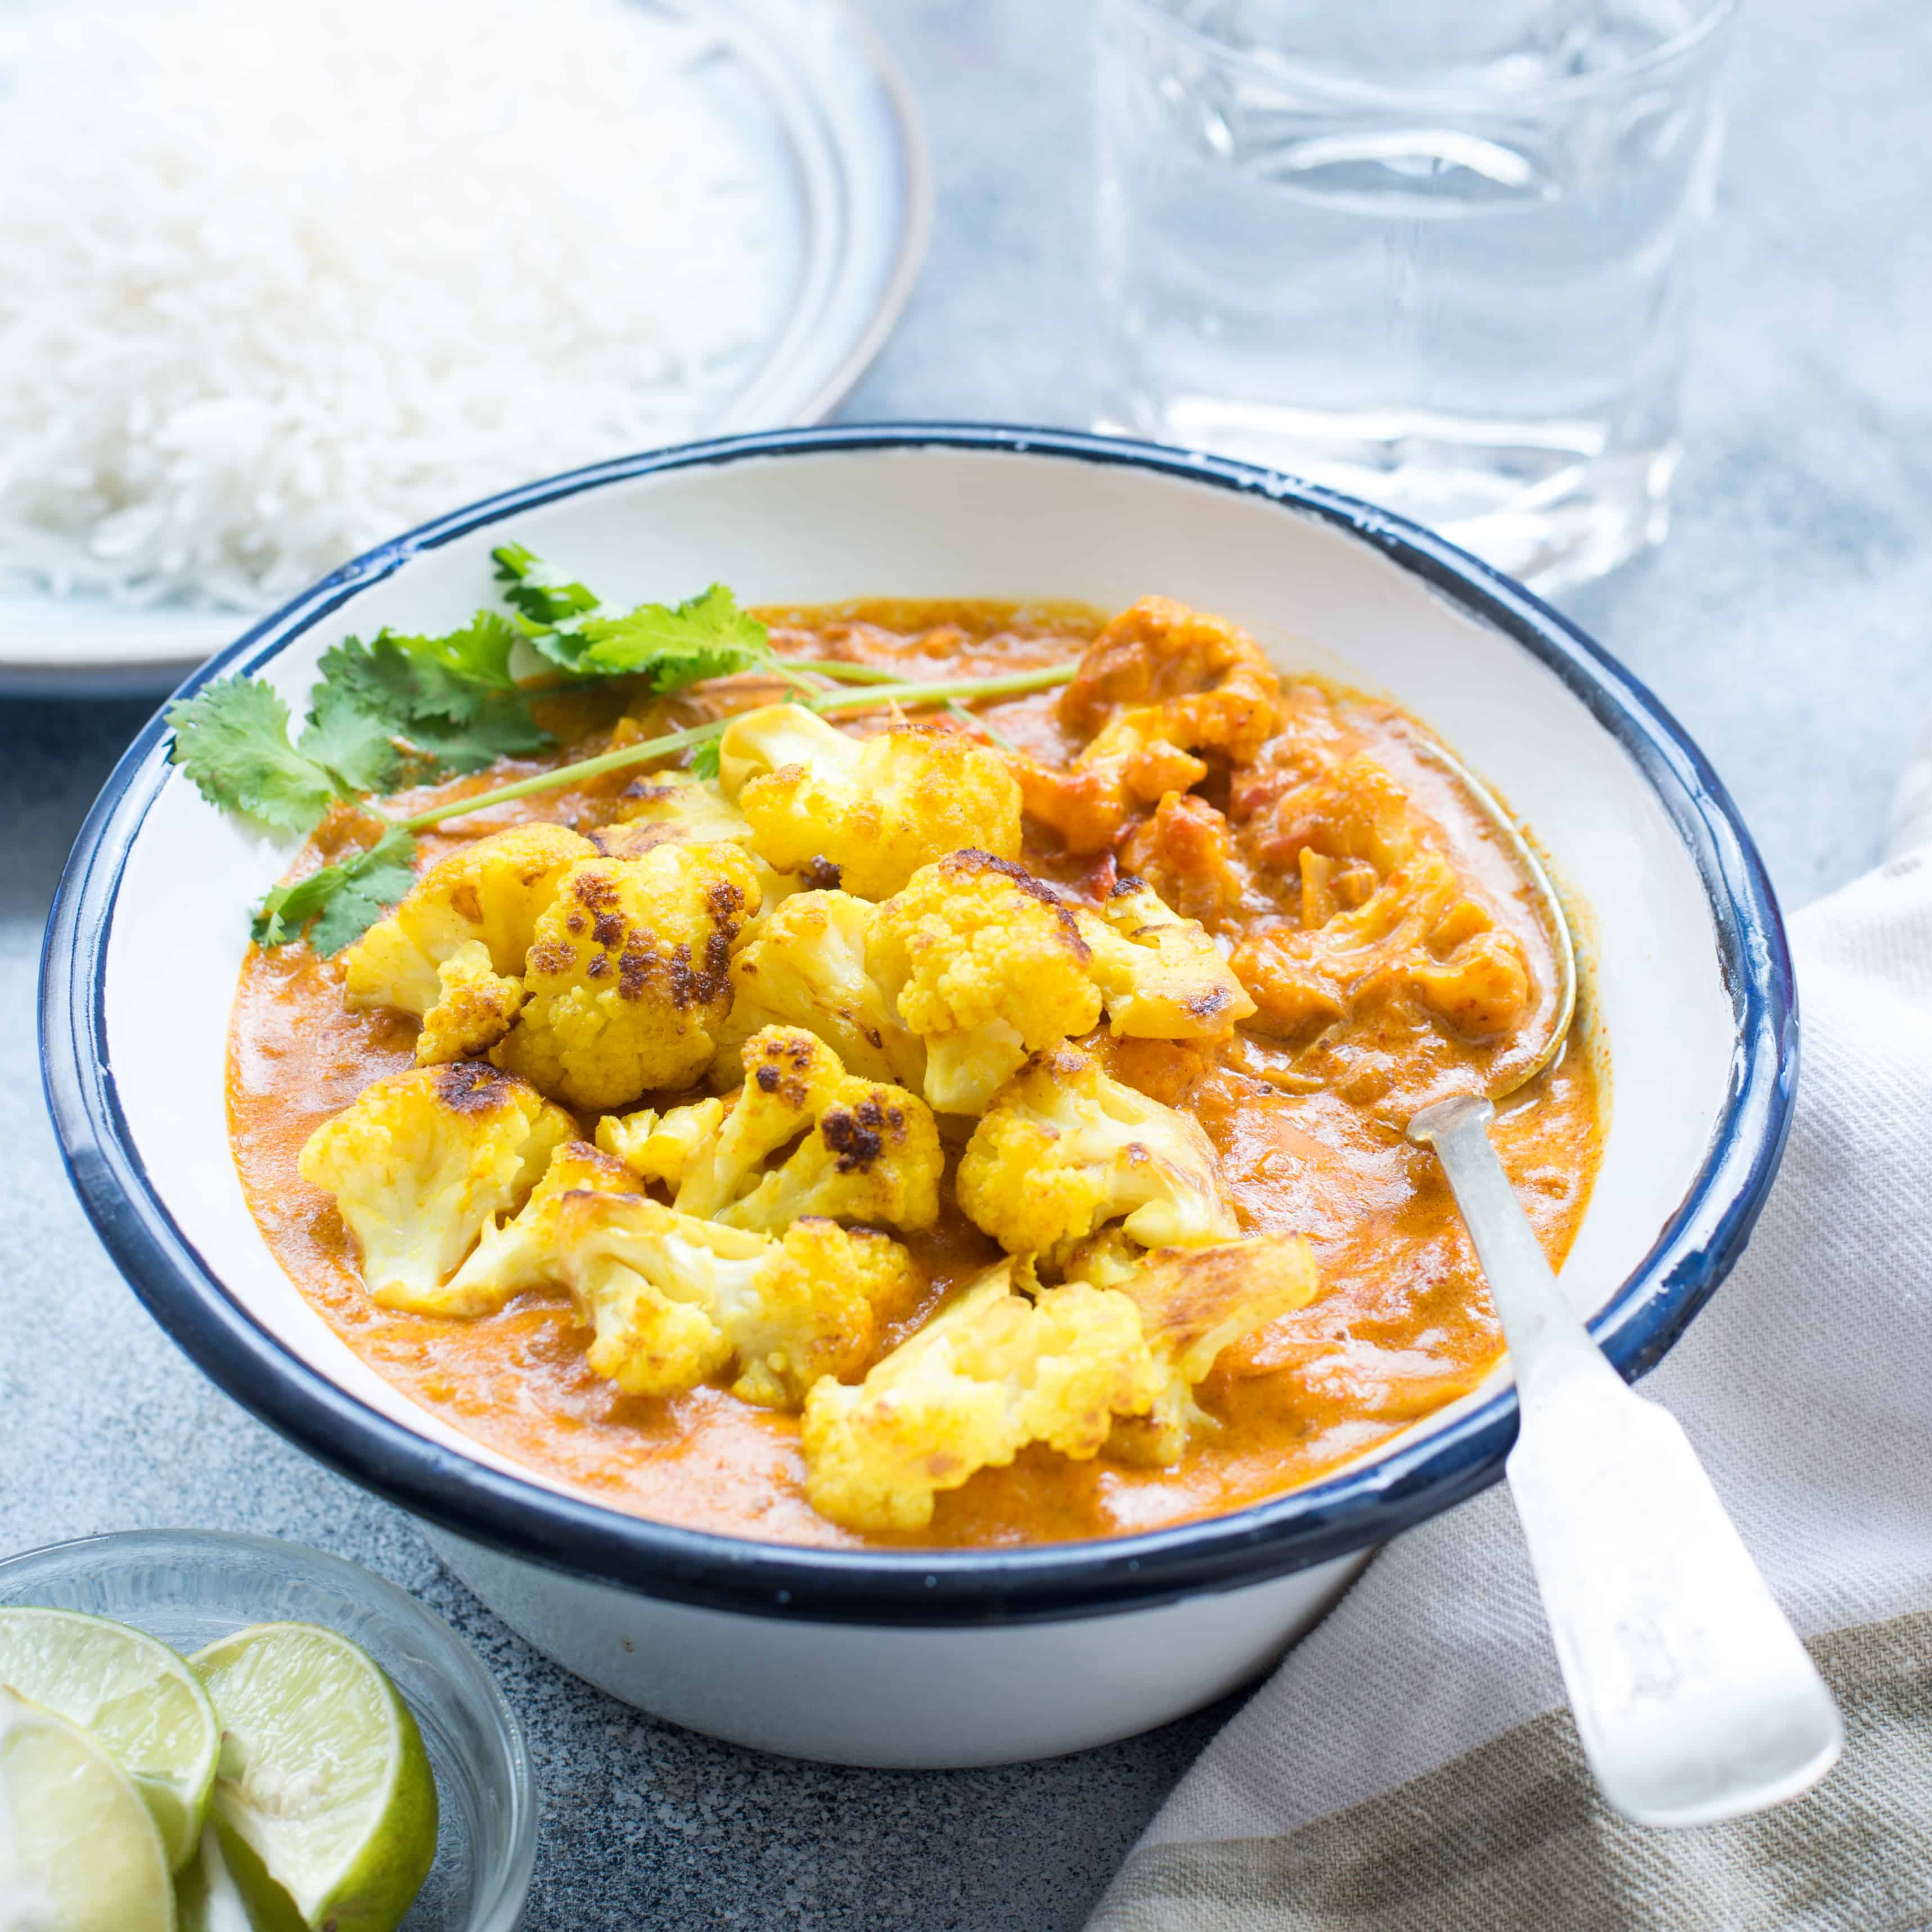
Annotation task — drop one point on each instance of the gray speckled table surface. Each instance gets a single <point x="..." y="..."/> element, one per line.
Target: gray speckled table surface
<point x="1786" y="622"/>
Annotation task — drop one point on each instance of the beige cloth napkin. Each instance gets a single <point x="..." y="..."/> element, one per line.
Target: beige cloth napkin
<point x="1412" y="1767"/>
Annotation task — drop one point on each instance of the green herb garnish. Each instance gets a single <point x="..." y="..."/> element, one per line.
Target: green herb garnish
<point x="344" y="899"/>
<point x="405" y="710"/>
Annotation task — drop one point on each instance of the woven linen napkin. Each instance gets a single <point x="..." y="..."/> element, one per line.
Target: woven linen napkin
<point x="1412" y="1766"/>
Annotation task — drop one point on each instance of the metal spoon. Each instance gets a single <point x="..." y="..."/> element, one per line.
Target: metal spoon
<point x="1694" y="1697"/>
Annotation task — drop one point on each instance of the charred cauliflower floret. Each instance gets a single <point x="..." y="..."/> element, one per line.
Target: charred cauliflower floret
<point x="477" y="1006"/>
<point x="1162" y="977"/>
<point x="806" y="965"/>
<point x="492" y="890"/>
<point x="991" y="1372"/>
<point x="876" y="808"/>
<point x="985" y="964"/>
<point x="1193" y="1303"/>
<point x="1064" y="1149"/>
<point x="679" y="808"/>
<point x="423" y="1163"/>
<point x="628" y="976"/>
<point x="869" y="1152"/>
<point x="673" y="807"/>
<point x="1160" y="684"/>
<point x="674" y="1301"/>
<point x="522" y="1252"/>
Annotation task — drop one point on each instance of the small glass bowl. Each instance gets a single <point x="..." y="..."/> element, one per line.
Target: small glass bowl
<point x="189" y="1587"/>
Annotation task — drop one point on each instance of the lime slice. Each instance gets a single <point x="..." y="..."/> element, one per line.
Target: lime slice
<point x="78" y="1849"/>
<point x="324" y="1802"/>
<point x="135" y="1695"/>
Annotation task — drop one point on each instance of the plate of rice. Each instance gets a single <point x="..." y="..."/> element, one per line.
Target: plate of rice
<point x="277" y="282"/>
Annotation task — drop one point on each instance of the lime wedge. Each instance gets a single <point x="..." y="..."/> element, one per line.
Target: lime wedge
<point x="209" y="1899"/>
<point x="78" y="1849"/>
<point x="324" y="1803"/>
<point x="137" y="1697"/>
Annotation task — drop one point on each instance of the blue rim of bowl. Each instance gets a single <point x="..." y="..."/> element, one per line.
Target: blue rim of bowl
<point x="515" y="1843"/>
<point x="1348" y="1511"/>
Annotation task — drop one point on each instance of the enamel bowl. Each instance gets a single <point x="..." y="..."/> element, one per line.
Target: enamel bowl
<point x="949" y="1657"/>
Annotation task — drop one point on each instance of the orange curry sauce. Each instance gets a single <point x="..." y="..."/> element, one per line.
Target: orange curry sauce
<point x="1311" y="1145"/>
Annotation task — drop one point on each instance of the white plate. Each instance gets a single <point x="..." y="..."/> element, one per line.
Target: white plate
<point x="835" y="130"/>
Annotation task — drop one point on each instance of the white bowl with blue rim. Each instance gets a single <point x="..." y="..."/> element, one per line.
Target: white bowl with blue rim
<point x="948" y="1657"/>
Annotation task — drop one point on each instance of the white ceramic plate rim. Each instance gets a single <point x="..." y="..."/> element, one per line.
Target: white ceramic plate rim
<point x="855" y="133"/>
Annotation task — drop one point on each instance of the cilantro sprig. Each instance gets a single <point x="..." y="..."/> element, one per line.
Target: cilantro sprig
<point x="405" y="710"/>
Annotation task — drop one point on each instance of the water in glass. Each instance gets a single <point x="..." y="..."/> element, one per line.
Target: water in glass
<point x="1432" y="255"/>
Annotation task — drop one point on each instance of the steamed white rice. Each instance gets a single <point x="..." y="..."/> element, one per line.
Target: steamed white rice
<point x="278" y="281"/>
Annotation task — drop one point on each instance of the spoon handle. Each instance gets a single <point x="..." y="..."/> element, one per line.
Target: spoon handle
<point x="1694" y="1700"/>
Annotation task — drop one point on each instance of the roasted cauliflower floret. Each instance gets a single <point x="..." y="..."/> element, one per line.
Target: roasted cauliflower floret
<point x="985" y="964"/>
<point x="492" y="891"/>
<point x="1064" y="1149"/>
<point x="423" y="1163"/>
<point x="876" y="808"/>
<point x="991" y="1372"/>
<point x="628" y="976"/>
<point x="522" y="1252"/>
<point x="477" y="1007"/>
<point x="1193" y="1303"/>
<point x="673" y="807"/>
<point x="869" y="1152"/>
<point x="1160" y="684"/>
<point x="678" y="808"/>
<point x="1162" y="977"/>
<point x="806" y="965"/>
<point x="674" y="1301"/>
<point x="659" y="1147"/>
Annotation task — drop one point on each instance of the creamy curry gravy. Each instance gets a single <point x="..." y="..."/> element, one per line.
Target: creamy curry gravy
<point x="1402" y="1325"/>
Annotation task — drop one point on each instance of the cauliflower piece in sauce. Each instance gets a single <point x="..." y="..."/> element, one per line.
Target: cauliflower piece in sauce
<point x="478" y="1005"/>
<point x="1161" y="976"/>
<point x="1064" y="1148"/>
<point x="422" y="1162"/>
<point x="628" y="976"/>
<point x="522" y="1252"/>
<point x="870" y="1152"/>
<point x="876" y="808"/>
<point x="985" y="964"/>
<point x="673" y="1301"/>
<point x="806" y="965"/>
<point x="991" y="1372"/>
<point x="1193" y="1303"/>
<point x="488" y="895"/>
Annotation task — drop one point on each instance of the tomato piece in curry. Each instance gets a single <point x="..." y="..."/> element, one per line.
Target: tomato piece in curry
<point x="1303" y="1105"/>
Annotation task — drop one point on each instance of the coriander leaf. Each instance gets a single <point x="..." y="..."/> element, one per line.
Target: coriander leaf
<point x="478" y="654"/>
<point x="707" y="636"/>
<point x="457" y="725"/>
<point x="535" y="590"/>
<point x="567" y="649"/>
<point x="344" y="899"/>
<point x="704" y="760"/>
<point x="231" y="740"/>
<point x="354" y="743"/>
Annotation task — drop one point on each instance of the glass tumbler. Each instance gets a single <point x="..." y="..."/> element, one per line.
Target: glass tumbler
<point x="1433" y="255"/>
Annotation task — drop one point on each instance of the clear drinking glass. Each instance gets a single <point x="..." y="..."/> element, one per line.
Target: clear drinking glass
<point x="1433" y="253"/>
